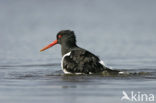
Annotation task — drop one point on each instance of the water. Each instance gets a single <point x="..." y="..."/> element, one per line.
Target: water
<point x="122" y="33"/>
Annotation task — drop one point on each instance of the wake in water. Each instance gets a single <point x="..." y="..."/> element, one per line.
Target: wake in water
<point x="48" y="70"/>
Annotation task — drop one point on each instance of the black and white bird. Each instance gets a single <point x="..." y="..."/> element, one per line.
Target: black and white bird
<point x="76" y="60"/>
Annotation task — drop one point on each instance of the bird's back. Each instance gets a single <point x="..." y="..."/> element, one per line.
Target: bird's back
<point x="82" y="61"/>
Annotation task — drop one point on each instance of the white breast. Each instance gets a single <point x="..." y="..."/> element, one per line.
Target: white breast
<point x="64" y="70"/>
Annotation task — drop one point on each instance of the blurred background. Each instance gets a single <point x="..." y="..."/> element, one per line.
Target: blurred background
<point x="108" y="28"/>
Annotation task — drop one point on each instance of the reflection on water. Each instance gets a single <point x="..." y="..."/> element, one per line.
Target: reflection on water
<point x="46" y="71"/>
<point x="46" y="83"/>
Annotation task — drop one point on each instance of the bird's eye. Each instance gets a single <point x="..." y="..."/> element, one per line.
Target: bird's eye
<point x="59" y="36"/>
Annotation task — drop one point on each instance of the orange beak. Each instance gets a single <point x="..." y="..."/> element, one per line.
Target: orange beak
<point x="48" y="46"/>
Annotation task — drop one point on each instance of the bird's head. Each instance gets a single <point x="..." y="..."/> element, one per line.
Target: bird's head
<point x="64" y="37"/>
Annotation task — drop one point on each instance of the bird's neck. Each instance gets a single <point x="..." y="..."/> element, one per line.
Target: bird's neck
<point x="67" y="47"/>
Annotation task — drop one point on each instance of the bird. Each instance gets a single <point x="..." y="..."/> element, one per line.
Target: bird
<point x="76" y="60"/>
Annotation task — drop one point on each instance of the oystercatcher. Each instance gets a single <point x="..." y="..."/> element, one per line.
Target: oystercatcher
<point x="76" y="60"/>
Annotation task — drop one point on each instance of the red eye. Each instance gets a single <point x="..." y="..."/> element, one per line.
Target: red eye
<point x="59" y="36"/>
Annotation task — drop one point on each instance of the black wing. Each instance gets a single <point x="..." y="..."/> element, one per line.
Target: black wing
<point x="82" y="61"/>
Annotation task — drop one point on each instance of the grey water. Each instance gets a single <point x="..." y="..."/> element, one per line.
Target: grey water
<point x="121" y="32"/>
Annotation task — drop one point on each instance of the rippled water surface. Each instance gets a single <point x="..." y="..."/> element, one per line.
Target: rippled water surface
<point x="122" y="33"/>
